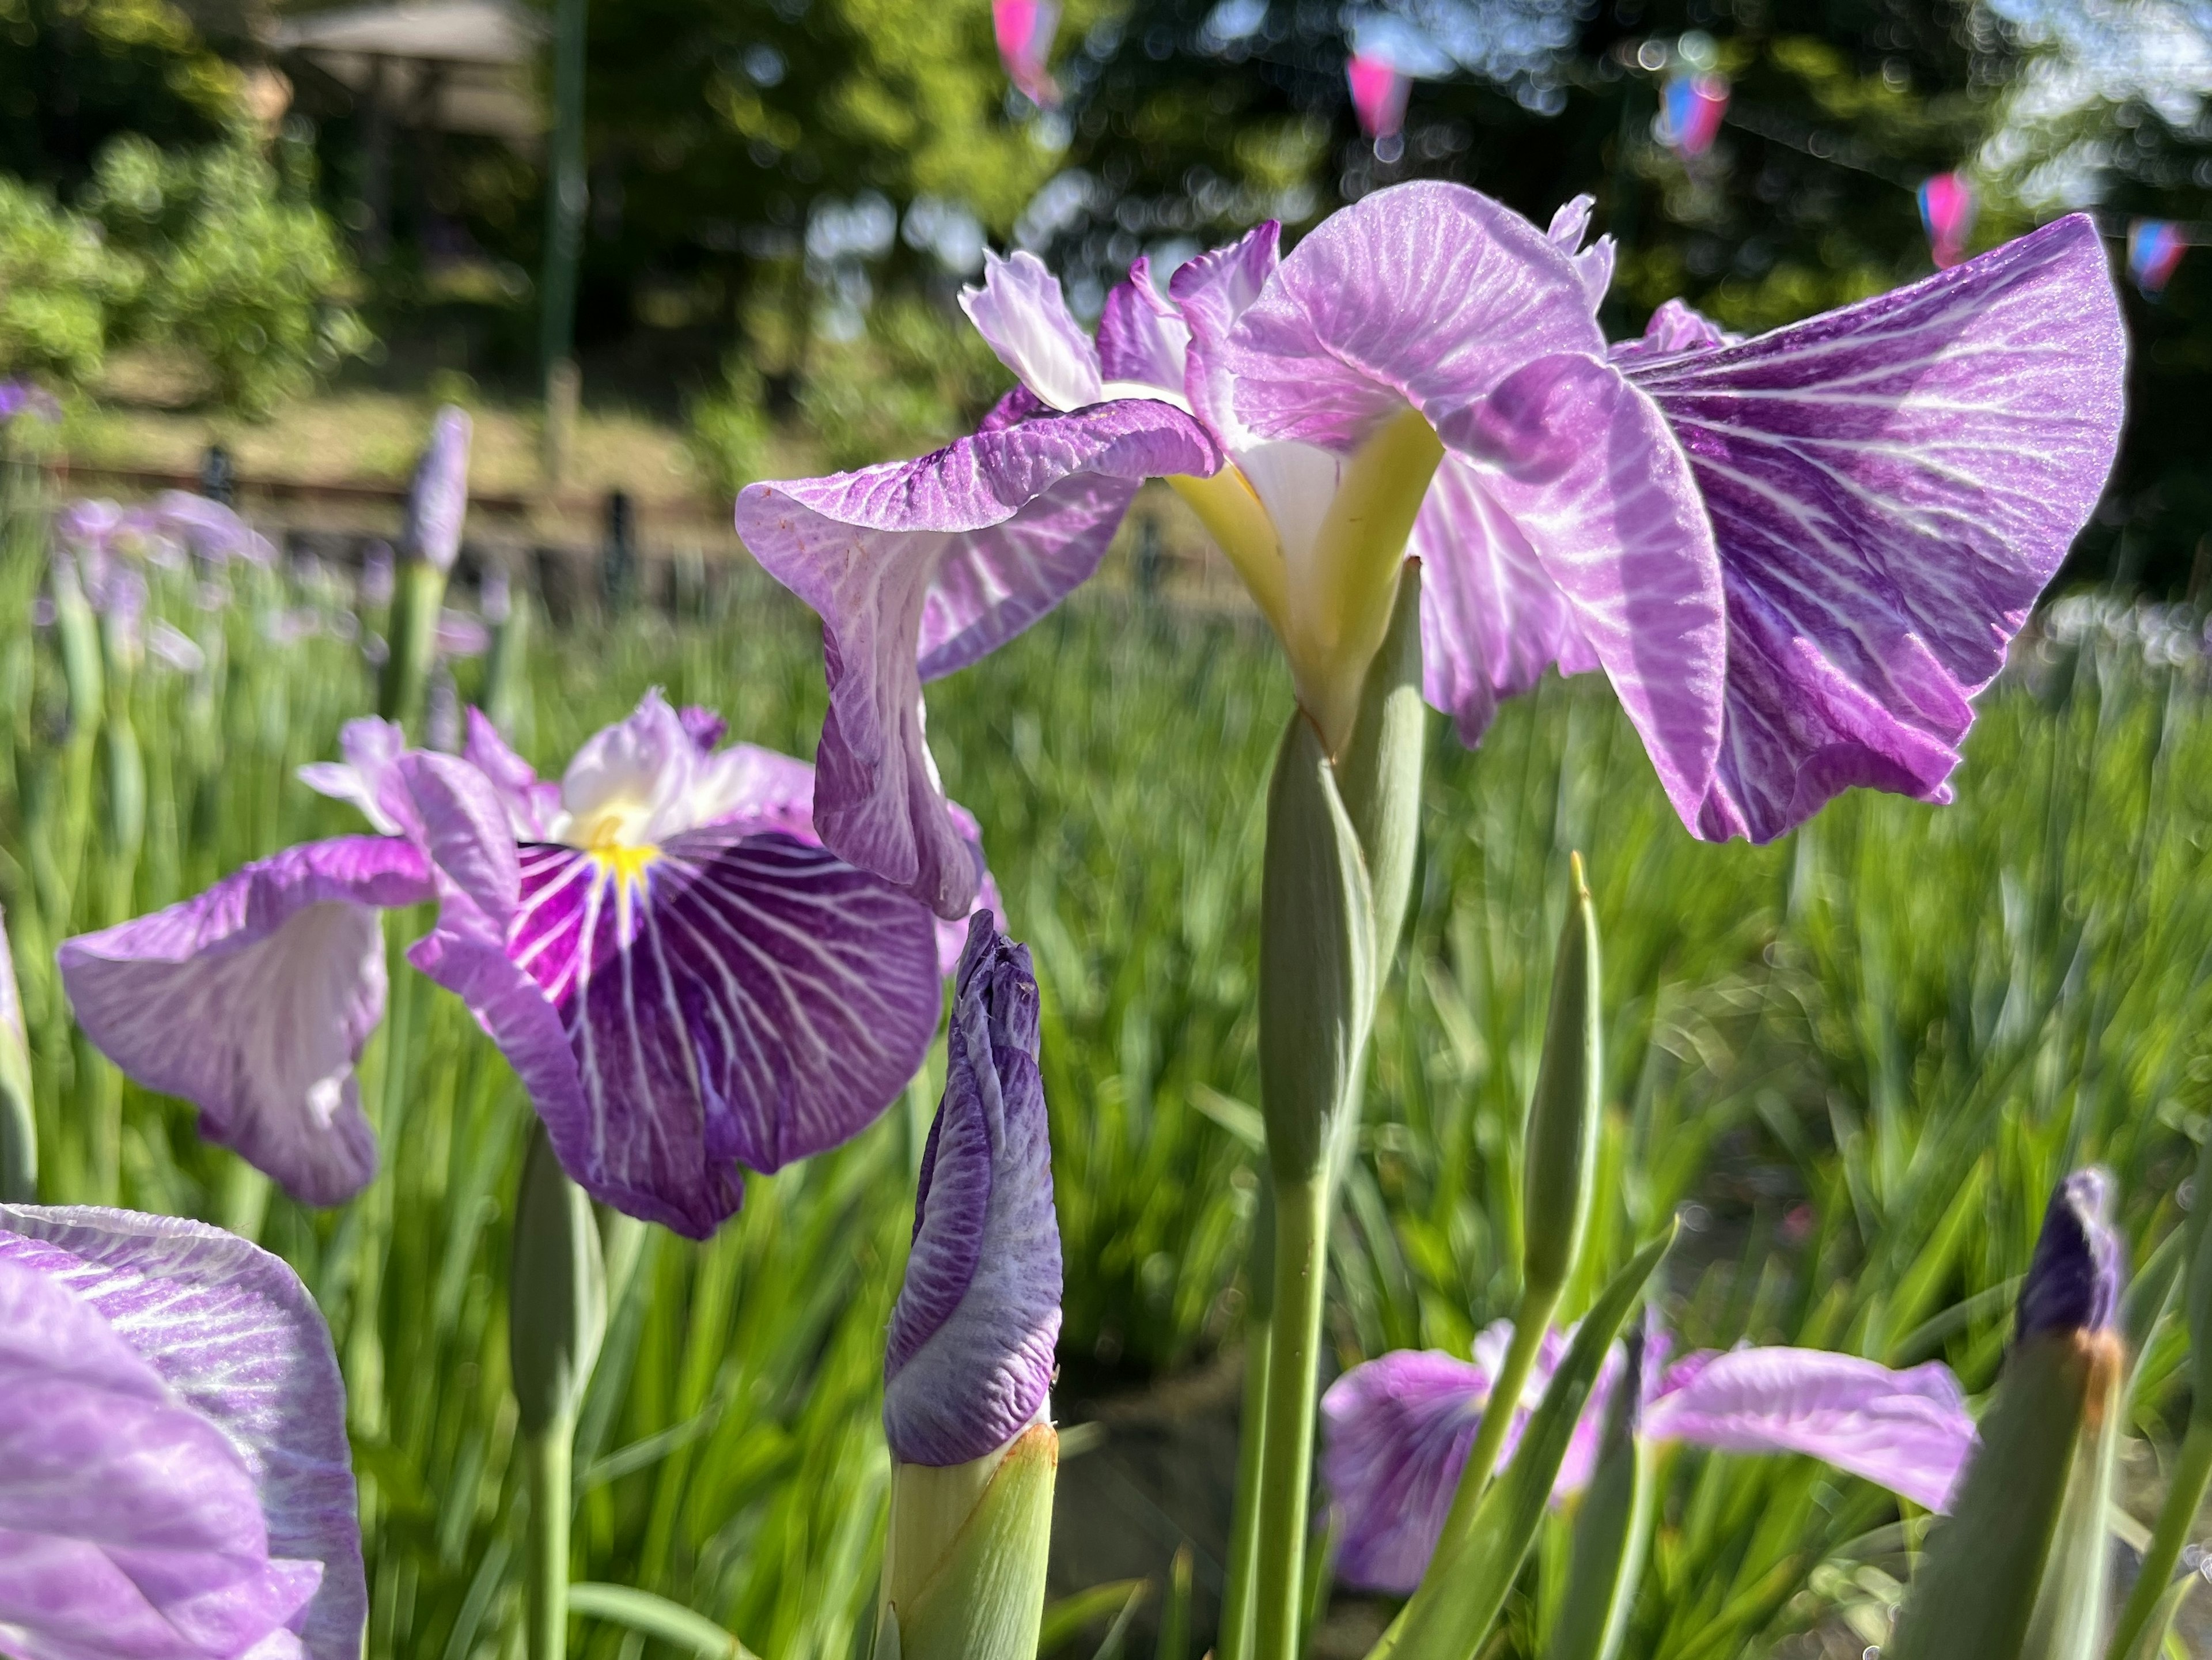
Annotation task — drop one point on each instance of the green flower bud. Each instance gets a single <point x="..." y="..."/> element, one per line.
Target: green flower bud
<point x="1559" y="1157"/>
<point x="1379" y="773"/>
<point x="964" y="1560"/>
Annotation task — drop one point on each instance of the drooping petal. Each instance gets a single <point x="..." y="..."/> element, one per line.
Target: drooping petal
<point x="1905" y="1431"/>
<point x="723" y="1001"/>
<point x="232" y="1333"/>
<point x="372" y="748"/>
<point x="1020" y="311"/>
<point x="1583" y="465"/>
<point x="253" y="1001"/>
<point x="1395" y="1434"/>
<point x="969" y="1362"/>
<point x="1891" y="485"/>
<point x="1424" y="293"/>
<point x="1142" y="338"/>
<point x="1214" y="291"/>
<point x="993" y="531"/>
<point x="129" y="1522"/>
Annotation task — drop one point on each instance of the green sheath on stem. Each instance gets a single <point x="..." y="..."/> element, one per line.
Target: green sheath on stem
<point x="1301" y="1225"/>
<point x="416" y="598"/>
<point x="1379" y="774"/>
<point x="1559" y="1169"/>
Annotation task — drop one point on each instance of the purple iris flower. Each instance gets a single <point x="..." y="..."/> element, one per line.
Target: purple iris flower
<point x="438" y="493"/>
<point x="1796" y="557"/>
<point x="686" y="981"/>
<point x="175" y="1482"/>
<point x="24" y="398"/>
<point x="968" y="1364"/>
<point x="1396" y="1430"/>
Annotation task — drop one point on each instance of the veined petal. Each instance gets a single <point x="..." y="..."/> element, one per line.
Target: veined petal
<point x="1491" y="621"/>
<point x="1016" y="517"/>
<point x="129" y="1522"/>
<point x="1142" y="336"/>
<point x="532" y="806"/>
<point x="1424" y="293"/>
<point x="1213" y="290"/>
<point x="1395" y="1434"/>
<point x="1594" y="263"/>
<point x="1905" y="1431"/>
<point x="630" y="784"/>
<point x="676" y="1012"/>
<point x="1675" y="328"/>
<point x="1020" y="311"/>
<point x="1891" y="485"/>
<point x="1583" y="465"/>
<point x="254" y="1001"/>
<point x="969" y="1362"/>
<point x="232" y="1332"/>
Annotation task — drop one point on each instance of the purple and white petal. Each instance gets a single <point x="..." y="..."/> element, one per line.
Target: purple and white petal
<point x="254" y="1001"/>
<point x="1594" y="264"/>
<point x="1675" y="328"/>
<point x="1017" y="516"/>
<point x="1213" y="290"/>
<point x="1020" y="311"/>
<point x="531" y="805"/>
<point x="129" y="1525"/>
<point x="1142" y="338"/>
<point x="372" y="749"/>
<point x="234" y="1336"/>
<point x="678" y="1014"/>
<point x="706" y="726"/>
<point x="969" y="1363"/>
<point x="1584" y="466"/>
<point x="631" y="783"/>
<point x="1424" y="294"/>
<point x="1905" y="1431"/>
<point x="1395" y="1434"/>
<point x="1891" y="485"/>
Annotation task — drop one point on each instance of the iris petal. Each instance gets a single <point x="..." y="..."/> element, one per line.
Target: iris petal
<point x="1142" y="338"/>
<point x="1020" y="311"/>
<point x="253" y="1001"/>
<point x="917" y="567"/>
<point x="724" y="1000"/>
<point x="1891" y="485"/>
<point x="229" y="1330"/>
<point x="1396" y="1435"/>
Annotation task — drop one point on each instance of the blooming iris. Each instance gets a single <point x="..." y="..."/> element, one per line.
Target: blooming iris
<point x="686" y="982"/>
<point x="175" y="1482"/>
<point x="1397" y="1430"/>
<point x="1796" y="557"/>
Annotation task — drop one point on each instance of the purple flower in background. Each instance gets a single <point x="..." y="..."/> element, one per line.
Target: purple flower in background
<point x="438" y="495"/>
<point x="968" y="1364"/>
<point x="1396" y="1430"/>
<point x="1796" y="557"/>
<point x="688" y="983"/>
<point x="376" y="575"/>
<point x="460" y="634"/>
<point x="24" y="398"/>
<point x="175" y="1481"/>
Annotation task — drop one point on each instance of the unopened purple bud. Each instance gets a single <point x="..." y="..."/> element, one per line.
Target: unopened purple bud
<point x="970" y="1361"/>
<point x="438" y="497"/>
<point x="2074" y="1280"/>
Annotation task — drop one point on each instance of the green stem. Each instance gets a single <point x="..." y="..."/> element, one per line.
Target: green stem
<point x="2192" y="1472"/>
<point x="416" y="601"/>
<point x="1530" y="1322"/>
<point x="1293" y="1382"/>
<point x="1238" y="1599"/>
<point x="546" y="1455"/>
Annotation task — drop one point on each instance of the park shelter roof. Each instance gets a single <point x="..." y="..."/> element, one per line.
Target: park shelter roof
<point x="449" y="65"/>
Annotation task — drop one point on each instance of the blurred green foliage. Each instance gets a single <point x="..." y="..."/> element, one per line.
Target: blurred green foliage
<point x="57" y="282"/>
<point x="74" y="73"/>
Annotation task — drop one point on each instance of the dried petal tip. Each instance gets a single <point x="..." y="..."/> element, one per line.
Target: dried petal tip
<point x="968" y="1364"/>
<point x="2074" y="1283"/>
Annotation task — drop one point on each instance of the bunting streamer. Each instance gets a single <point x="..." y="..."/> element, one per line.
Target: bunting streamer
<point x="2154" y="248"/>
<point x="1947" y="206"/>
<point x="1690" y="112"/>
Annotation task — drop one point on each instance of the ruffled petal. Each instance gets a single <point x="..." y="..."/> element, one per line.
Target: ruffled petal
<point x="531" y="805"/>
<point x="1583" y="465"/>
<point x="1594" y="263"/>
<point x="129" y="1522"/>
<point x="1891" y="485"/>
<point x="723" y="1001"/>
<point x="1214" y="291"/>
<point x="969" y="1362"/>
<point x="1395" y="1434"/>
<point x="1424" y="294"/>
<point x="1675" y="328"/>
<point x="1015" y="517"/>
<point x="372" y="748"/>
<point x="1142" y="338"/>
<point x="1020" y="311"/>
<point x="1905" y="1431"/>
<point x="254" y="1001"/>
<point x="230" y="1329"/>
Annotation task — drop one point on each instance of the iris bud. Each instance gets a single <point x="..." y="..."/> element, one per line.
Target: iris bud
<point x="968" y="1369"/>
<point x="1559" y="1161"/>
<point x="437" y="504"/>
<point x="2018" y="1571"/>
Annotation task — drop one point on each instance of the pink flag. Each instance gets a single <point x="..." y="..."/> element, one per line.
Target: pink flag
<point x="1379" y="91"/>
<point x="1948" y="205"/>
<point x="1690" y="113"/>
<point x="1024" y="29"/>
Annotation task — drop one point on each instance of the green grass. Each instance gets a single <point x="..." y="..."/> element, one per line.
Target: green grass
<point x="1864" y="1054"/>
